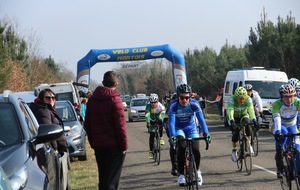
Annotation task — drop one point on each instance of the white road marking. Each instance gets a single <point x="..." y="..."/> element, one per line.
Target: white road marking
<point x="264" y="169"/>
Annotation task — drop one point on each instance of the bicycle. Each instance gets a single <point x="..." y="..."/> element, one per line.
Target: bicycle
<point x="244" y="151"/>
<point x="291" y="162"/>
<point x="190" y="169"/>
<point x="156" y="145"/>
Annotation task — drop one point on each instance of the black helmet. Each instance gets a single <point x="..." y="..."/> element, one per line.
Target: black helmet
<point x="184" y="89"/>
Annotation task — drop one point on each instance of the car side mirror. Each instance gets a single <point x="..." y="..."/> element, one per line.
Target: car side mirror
<point x="48" y="133"/>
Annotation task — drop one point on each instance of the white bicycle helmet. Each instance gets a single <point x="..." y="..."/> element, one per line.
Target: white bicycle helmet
<point x="294" y="82"/>
<point x="153" y="98"/>
<point x="248" y="87"/>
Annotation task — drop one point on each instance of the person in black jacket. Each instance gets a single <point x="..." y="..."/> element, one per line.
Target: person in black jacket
<point x="43" y="108"/>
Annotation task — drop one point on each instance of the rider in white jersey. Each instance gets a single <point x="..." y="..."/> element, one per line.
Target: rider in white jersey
<point x="286" y="112"/>
<point x="256" y="100"/>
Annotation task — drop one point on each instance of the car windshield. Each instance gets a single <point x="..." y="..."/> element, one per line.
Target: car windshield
<point x="65" y="96"/>
<point x="65" y="112"/>
<point x="139" y="102"/>
<point x="266" y="89"/>
<point x="9" y="126"/>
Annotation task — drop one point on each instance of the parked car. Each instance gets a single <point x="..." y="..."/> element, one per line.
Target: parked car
<point x="136" y="110"/>
<point x="74" y="131"/>
<point x="26" y="155"/>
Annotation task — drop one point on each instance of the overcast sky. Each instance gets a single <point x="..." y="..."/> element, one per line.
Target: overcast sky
<point x="69" y="29"/>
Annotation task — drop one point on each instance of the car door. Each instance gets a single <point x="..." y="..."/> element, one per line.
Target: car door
<point x="43" y="154"/>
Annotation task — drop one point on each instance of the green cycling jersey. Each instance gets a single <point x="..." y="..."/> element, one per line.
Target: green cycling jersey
<point x="156" y="113"/>
<point x="236" y="110"/>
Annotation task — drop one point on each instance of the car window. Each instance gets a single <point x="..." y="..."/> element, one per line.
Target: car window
<point x="141" y="102"/>
<point x="10" y="133"/>
<point x="65" y="112"/>
<point x="65" y="96"/>
<point x="30" y="120"/>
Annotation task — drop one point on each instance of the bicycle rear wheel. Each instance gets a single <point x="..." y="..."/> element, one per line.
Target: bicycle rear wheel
<point x="254" y="142"/>
<point x="247" y="157"/>
<point x="285" y="180"/>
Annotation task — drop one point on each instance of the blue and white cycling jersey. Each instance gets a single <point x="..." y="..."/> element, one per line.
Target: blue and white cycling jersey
<point x="182" y="119"/>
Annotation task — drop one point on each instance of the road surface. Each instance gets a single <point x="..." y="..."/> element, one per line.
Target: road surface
<point x="218" y="171"/>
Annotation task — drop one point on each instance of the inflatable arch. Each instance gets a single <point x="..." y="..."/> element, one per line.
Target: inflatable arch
<point x="132" y="54"/>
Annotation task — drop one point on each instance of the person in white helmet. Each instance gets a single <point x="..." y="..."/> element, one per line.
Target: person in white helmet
<point x="256" y="100"/>
<point x="155" y="112"/>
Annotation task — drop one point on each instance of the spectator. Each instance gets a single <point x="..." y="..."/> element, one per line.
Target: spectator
<point x="105" y="125"/>
<point x="83" y="107"/>
<point x="220" y="102"/>
<point x="44" y="110"/>
<point x="202" y="101"/>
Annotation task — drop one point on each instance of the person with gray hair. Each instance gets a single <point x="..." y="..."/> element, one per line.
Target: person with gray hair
<point x="105" y="125"/>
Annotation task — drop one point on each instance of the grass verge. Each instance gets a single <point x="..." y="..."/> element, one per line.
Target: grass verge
<point x="84" y="174"/>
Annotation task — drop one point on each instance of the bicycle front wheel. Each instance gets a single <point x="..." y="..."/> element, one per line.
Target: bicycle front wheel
<point x="247" y="157"/>
<point x="296" y="165"/>
<point x="157" y="148"/>
<point x="285" y="180"/>
<point x="239" y="162"/>
<point x="254" y="142"/>
<point x="193" y="175"/>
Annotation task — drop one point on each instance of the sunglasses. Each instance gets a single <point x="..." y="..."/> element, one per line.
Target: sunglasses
<point x="50" y="97"/>
<point x="184" y="97"/>
<point x="153" y="102"/>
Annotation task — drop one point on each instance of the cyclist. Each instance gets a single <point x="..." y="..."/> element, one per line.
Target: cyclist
<point x="172" y="150"/>
<point x="256" y="100"/>
<point x="181" y="117"/>
<point x="240" y="110"/>
<point x="285" y="112"/>
<point x="154" y="115"/>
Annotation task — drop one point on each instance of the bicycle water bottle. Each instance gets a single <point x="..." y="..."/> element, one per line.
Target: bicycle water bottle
<point x="187" y="162"/>
<point x="289" y="155"/>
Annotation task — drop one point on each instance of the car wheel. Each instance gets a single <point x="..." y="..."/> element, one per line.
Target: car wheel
<point x="129" y="119"/>
<point x="82" y="158"/>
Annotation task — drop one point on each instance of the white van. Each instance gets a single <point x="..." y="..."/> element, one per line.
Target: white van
<point x="63" y="91"/>
<point x="265" y="82"/>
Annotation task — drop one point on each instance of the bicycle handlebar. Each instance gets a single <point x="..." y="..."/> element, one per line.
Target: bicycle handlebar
<point x="291" y="135"/>
<point x="198" y="138"/>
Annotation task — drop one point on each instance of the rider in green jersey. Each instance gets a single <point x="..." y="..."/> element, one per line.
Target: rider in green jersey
<point x="240" y="110"/>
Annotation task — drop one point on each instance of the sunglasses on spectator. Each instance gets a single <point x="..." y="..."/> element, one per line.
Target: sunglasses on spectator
<point x="50" y="97"/>
<point x="184" y="97"/>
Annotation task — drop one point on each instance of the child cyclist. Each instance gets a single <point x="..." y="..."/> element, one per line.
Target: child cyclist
<point x="154" y="115"/>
